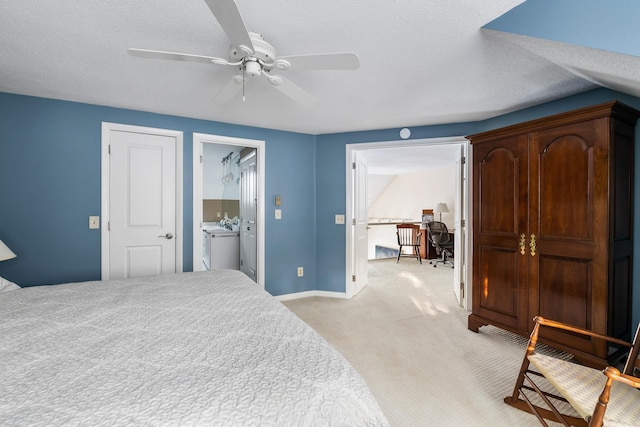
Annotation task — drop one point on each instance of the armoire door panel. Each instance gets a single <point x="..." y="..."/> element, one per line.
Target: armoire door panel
<point x="564" y="293"/>
<point x="565" y="178"/>
<point x="564" y="290"/>
<point x="499" y="187"/>
<point x="501" y="296"/>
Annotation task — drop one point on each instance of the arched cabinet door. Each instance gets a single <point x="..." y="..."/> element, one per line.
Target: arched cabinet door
<point x="569" y="165"/>
<point x="500" y="198"/>
<point x="552" y="221"/>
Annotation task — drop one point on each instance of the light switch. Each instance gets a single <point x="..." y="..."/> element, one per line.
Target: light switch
<point x="339" y="219"/>
<point x="278" y="201"/>
<point x="94" y="222"/>
<point x="278" y="213"/>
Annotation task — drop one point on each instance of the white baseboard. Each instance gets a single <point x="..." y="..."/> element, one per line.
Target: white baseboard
<point x="307" y="294"/>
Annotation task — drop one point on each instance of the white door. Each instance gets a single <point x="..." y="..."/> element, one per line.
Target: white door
<point x="248" y="215"/>
<point x="459" y="241"/>
<point x="359" y="225"/>
<point x="141" y="202"/>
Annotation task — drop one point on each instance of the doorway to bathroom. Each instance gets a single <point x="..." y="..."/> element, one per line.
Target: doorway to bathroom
<point x="228" y="195"/>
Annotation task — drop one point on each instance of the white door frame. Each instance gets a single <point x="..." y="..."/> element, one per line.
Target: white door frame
<point x="198" y="140"/>
<point x="350" y="149"/>
<point x="107" y="128"/>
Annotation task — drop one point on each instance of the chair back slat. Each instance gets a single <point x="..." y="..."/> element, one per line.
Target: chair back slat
<point x="408" y="234"/>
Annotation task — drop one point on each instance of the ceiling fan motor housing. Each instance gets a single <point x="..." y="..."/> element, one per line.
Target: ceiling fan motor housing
<point x="262" y="50"/>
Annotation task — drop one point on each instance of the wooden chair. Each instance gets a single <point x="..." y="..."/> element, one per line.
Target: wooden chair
<point x="409" y="235"/>
<point x="601" y="398"/>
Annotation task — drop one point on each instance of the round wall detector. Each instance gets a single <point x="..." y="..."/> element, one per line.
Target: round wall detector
<point x="405" y="133"/>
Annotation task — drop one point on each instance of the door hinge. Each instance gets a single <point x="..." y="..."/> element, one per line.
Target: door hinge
<point x="464" y="160"/>
<point x="461" y="290"/>
<point x="353" y="277"/>
<point x="108" y="225"/>
<point x="200" y="159"/>
<point x="353" y="221"/>
<point x="353" y="165"/>
<point x="109" y="149"/>
<point x="463" y="223"/>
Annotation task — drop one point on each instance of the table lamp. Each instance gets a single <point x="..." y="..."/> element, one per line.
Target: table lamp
<point x="5" y="252"/>
<point x="441" y="207"/>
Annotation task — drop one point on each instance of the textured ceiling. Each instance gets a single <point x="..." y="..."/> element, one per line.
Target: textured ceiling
<point x="421" y="62"/>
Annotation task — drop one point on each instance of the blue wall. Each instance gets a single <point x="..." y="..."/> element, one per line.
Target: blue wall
<point x="50" y="184"/>
<point x="331" y="189"/>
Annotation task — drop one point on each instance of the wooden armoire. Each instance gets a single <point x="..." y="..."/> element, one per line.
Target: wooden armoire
<point x="553" y="226"/>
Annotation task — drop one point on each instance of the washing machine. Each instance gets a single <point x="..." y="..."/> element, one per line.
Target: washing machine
<point x="221" y="248"/>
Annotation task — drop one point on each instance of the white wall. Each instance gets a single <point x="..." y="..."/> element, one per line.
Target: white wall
<point x="213" y="171"/>
<point x="405" y="197"/>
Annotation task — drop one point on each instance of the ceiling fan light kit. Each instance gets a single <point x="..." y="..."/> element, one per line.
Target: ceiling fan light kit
<point x="255" y="57"/>
<point x="252" y="67"/>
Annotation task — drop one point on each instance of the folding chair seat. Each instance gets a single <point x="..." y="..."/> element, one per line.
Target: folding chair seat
<point x="600" y="398"/>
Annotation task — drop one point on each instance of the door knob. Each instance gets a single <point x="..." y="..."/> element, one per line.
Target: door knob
<point x="167" y="236"/>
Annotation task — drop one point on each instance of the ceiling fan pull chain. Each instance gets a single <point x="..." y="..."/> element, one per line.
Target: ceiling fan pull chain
<point x="243" y="67"/>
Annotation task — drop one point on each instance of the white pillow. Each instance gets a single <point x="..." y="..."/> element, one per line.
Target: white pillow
<point x="6" y="286"/>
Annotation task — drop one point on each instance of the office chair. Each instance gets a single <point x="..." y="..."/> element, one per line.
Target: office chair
<point x="441" y="239"/>
<point x="409" y="235"/>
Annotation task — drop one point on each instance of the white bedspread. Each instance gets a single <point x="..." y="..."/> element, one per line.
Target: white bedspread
<point x="207" y="348"/>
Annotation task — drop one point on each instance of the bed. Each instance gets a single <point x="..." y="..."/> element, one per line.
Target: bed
<point x="204" y="348"/>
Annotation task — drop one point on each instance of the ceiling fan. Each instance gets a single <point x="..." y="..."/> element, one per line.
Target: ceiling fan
<point x="254" y="57"/>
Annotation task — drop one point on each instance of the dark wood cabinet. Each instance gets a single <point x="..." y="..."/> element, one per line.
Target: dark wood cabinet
<point x="553" y="223"/>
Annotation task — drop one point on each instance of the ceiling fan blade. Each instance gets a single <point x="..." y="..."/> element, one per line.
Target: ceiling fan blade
<point x="229" y="91"/>
<point x="173" y="56"/>
<point x="228" y="15"/>
<point x="293" y="91"/>
<point x="321" y="61"/>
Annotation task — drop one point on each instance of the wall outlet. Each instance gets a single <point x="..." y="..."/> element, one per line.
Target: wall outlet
<point x="278" y="213"/>
<point x="300" y="271"/>
<point x="339" y="219"/>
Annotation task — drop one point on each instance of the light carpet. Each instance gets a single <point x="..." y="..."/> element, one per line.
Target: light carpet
<point x="408" y="338"/>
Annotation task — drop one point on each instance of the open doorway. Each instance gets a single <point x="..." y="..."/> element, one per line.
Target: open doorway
<point x="409" y="156"/>
<point x="235" y="150"/>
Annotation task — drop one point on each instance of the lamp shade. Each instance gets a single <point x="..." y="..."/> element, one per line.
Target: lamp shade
<point x="441" y="207"/>
<point x="5" y="252"/>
